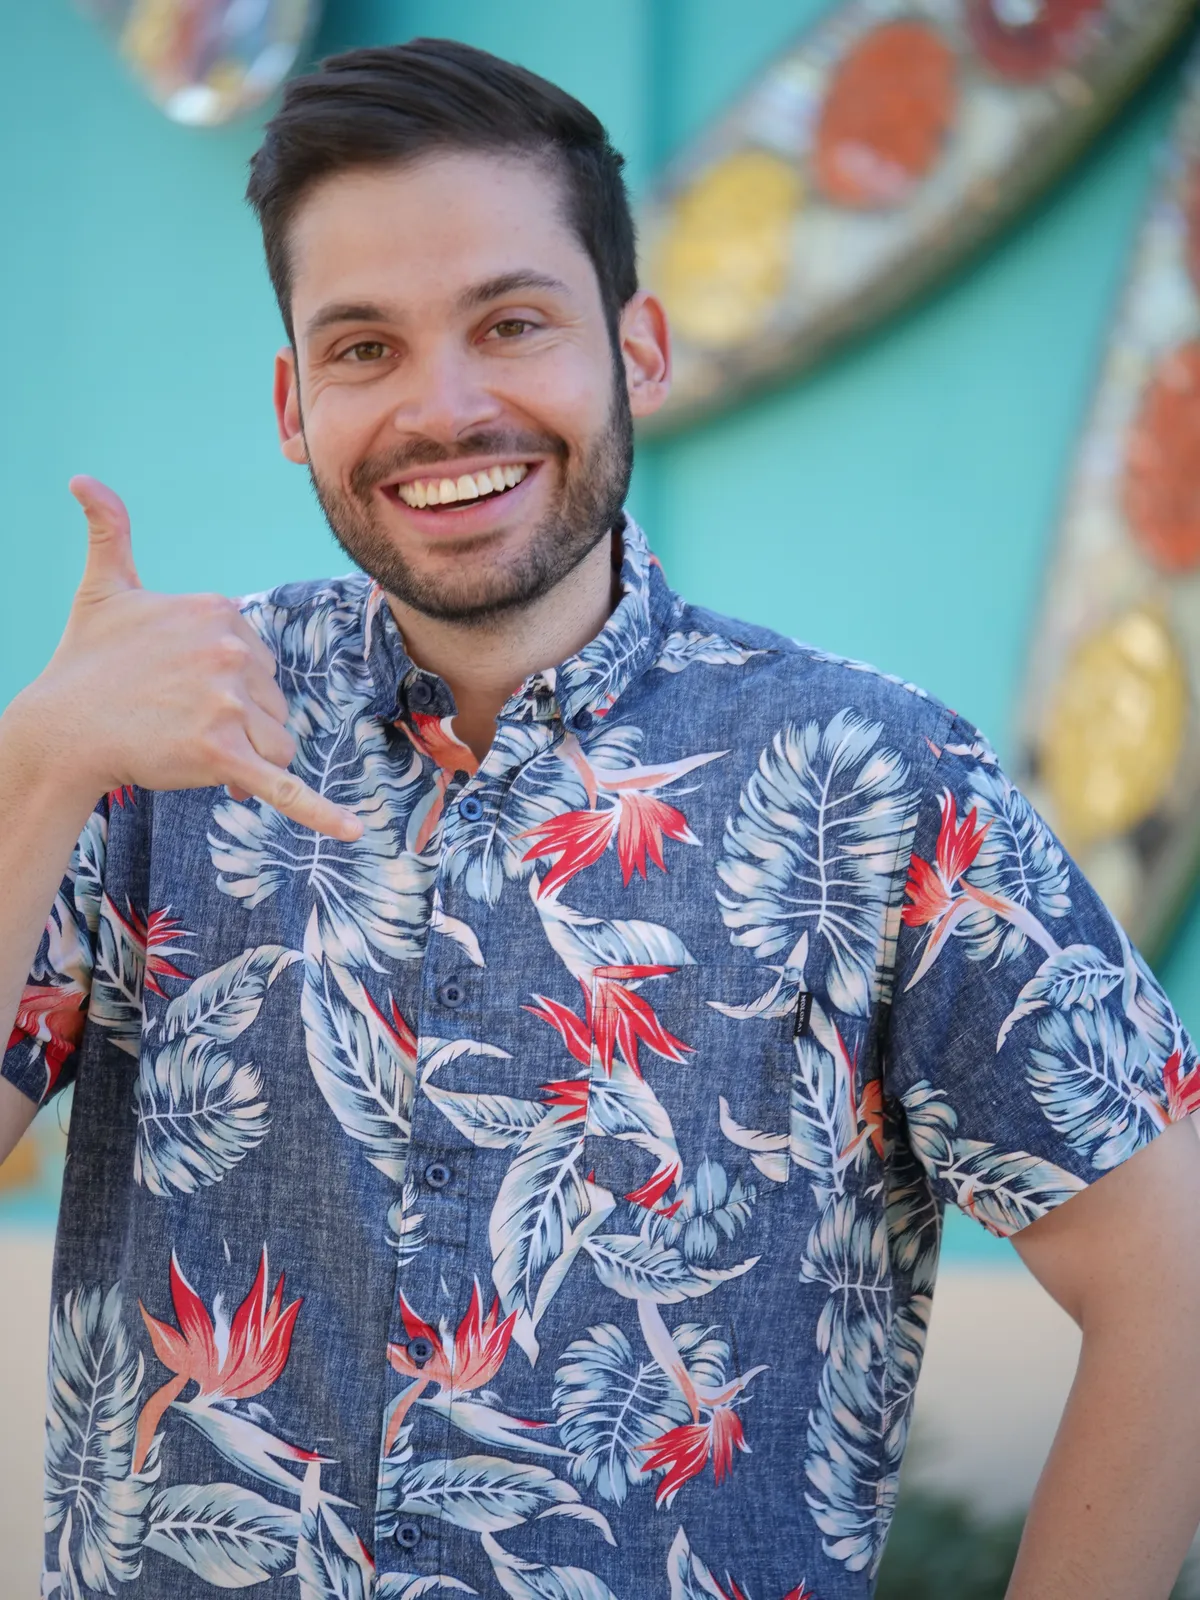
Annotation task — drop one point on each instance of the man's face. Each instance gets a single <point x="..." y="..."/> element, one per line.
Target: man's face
<point x="455" y="388"/>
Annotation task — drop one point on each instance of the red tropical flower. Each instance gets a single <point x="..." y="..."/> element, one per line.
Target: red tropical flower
<point x="576" y="838"/>
<point x="570" y="1095"/>
<point x="933" y="889"/>
<point x="122" y="796"/>
<point x="645" y="823"/>
<point x="436" y="739"/>
<point x="468" y="1362"/>
<point x="684" y="1451"/>
<point x="153" y="934"/>
<point x="618" y="1018"/>
<point x="226" y="1361"/>
<point x="656" y="1185"/>
<point x="1183" y="1088"/>
<point x="575" y="1033"/>
<point x="53" y="1015"/>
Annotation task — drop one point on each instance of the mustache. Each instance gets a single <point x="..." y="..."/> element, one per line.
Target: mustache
<point x="374" y="470"/>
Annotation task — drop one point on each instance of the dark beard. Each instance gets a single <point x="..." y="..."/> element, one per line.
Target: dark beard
<point x="588" y="508"/>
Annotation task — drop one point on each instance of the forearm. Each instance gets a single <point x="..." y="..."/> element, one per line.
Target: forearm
<point x="1119" y="1500"/>
<point x="42" y="812"/>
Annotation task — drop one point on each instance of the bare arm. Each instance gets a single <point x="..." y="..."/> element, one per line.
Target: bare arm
<point x="162" y="691"/>
<point x="1119" y="1499"/>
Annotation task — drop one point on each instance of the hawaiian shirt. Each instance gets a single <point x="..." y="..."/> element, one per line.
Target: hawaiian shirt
<point x="541" y="1196"/>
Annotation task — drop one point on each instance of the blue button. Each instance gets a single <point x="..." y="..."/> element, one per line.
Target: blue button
<point x="470" y="807"/>
<point x="420" y="1350"/>
<point x="408" y="1535"/>
<point x="421" y="692"/>
<point x="582" y="721"/>
<point x="437" y="1175"/>
<point x="451" y="993"/>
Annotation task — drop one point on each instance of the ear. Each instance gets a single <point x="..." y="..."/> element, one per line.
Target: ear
<point x="287" y="407"/>
<point x="646" y="351"/>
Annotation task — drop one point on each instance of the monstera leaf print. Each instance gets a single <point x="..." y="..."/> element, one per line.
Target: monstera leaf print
<point x="372" y="893"/>
<point x="527" y="1580"/>
<point x="120" y="971"/>
<point x="1093" y="1081"/>
<point x="693" y="648"/>
<point x="1019" y="862"/>
<point x="821" y="834"/>
<point x="226" y="1535"/>
<point x="331" y="1562"/>
<point x="823" y="1112"/>
<point x="1077" y="976"/>
<point x="484" y="1494"/>
<point x="543" y="1213"/>
<point x="914" y="1215"/>
<point x="848" y="1255"/>
<point x="198" y="1115"/>
<point x="318" y="648"/>
<point x="364" y="1064"/>
<point x="610" y="1405"/>
<point x="222" y="1004"/>
<point x="709" y="1208"/>
<point x="93" y="1502"/>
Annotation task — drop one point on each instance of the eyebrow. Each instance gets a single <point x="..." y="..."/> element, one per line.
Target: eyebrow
<point x="344" y="311"/>
<point x="479" y="294"/>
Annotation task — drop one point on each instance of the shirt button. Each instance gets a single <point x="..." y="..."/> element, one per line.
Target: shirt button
<point x="582" y="721"/>
<point x="451" y="993"/>
<point x="470" y="807"/>
<point x="437" y="1175"/>
<point x="421" y="1350"/>
<point x="408" y="1535"/>
<point x="461" y="777"/>
<point x="421" y="692"/>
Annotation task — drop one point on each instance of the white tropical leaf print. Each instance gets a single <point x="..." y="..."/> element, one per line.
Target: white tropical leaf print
<point x="198" y="1115"/>
<point x="822" y="832"/>
<point x="543" y="1213"/>
<point x="120" y="971"/>
<point x="412" y="1586"/>
<point x="710" y="1208"/>
<point x="491" y="1426"/>
<point x="1006" y="1190"/>
<point x="318" y="647"/>
<point x="584" y="943"/>
<point x="1019" y="861"/>
<point x="358" y="1059"/>
<point x="768" y="1151"/>
<point x="609" y="1404"/>
<point x="434" y="1053"/>
<point x="1078" y="975"/>
<point x="822" y="1116"/>
<point x="687" y="1575"/>
<point x="621" y="1105"/>
<point x="1148" y="1010"/>
<point x="694" y="648"/>
<point x="914" y="1215"/>
<point x="1091" y="1080"/>
<point x="440" y="921"/>
<point x="480" y="1493"/>
<point x="407" y="1236"/>
<point x="491" y="1121"/>
<point x="251" y="1448"/>
<point x="226" y="1535"/>
<point x="527" y="1580"/>
<point x="98" y="1507"/>
<point x="224" y="1002"/>
<point x="848" y="1254"/>
<point x="86" y="871"/>
<point x="930" y="1123"/>
<point x="373" y="893"/>
<point x="782" y="998"/>
<point x="331" y="1563"/>
<point x="645" y="1269"/>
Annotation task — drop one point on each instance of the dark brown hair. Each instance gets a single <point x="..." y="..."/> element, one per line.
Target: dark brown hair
<point x="373" y="108"/>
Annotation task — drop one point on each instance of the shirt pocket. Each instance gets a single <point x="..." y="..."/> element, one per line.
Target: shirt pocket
<point x="720" y="1093"/>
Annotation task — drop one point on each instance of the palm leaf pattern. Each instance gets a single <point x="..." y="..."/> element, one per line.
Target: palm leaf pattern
<point x="120" y="971"/>
<point x="98" y="1508"/>
<point x="319" y="650"/>
<point x="224" y="1002"/>
<point x="1019" y="861"/>
<point x="528" y="1580"/>
<point x="693" y="648"/>
<point x="198" y="1115"/>
<point x="818" y="844"/>
<point x="226" y="1535"/>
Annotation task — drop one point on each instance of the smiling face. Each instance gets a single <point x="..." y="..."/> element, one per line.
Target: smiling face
<point x="455" y="388"/>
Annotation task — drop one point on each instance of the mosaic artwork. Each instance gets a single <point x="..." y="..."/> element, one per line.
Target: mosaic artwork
<point x="207" y="61"/>
<point x="891" y="139"/>
<point x="1111" y="725"/>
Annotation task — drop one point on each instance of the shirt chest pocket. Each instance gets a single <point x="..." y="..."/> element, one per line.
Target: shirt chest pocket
<point x="713" y="1083"/>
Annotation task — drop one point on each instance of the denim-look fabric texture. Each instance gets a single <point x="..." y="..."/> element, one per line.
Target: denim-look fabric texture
<point x="541" y="1196"/>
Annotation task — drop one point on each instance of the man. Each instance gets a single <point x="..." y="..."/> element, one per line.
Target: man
<point x="524" y="1029"/>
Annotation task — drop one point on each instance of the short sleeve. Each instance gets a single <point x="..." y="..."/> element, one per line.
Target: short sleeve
<point x="41" y="1052"/>
<point x="1029" y="1048"/>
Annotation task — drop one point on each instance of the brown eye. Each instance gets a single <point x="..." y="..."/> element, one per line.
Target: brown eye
<point x="510" y="328"/>
<point x="367" y="350"/>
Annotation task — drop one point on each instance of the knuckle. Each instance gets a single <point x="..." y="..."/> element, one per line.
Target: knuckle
<point x="288" y="790"/>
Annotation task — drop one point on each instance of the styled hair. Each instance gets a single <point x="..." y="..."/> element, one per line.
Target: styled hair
<point x="387" y="106"/>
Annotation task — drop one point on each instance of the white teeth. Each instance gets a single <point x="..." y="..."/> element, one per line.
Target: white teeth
<point x="471" y="486"/>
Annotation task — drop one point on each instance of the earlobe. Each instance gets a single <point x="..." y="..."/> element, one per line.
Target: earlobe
<point x="287" y="408"/>
<point x="646" y="351"/>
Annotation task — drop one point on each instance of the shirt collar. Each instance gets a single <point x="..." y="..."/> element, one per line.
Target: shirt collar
<point x="581" y="688"/>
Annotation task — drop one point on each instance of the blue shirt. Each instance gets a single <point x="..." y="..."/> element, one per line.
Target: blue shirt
<point x="541" y="1196"/>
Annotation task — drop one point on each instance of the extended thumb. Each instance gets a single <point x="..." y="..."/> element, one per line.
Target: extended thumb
<point x="110" y="545"/>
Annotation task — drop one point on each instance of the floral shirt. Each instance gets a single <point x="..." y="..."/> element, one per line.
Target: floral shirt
<point x="541" y="1196"/>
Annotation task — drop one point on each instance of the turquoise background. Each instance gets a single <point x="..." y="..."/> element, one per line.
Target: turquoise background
<point x="897" y="505"/>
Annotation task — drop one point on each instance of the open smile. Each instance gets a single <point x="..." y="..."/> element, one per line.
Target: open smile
<point x="456" y="490"/>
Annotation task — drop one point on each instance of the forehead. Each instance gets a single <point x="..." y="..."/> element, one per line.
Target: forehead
<point x="420" y="233"/>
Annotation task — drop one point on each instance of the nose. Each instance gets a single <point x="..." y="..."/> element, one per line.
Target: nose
<point x="444" y="396"/>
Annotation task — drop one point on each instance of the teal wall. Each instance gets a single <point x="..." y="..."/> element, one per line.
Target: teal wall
<point x="896" y="505"/>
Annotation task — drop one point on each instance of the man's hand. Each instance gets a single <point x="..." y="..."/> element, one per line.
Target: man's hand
<point x="1119" y="1500"/>
<point x="165" y="691"/>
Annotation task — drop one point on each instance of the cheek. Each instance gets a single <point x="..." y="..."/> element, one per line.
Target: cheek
<point x="343" y="425"/>
<point x="569" y="395"/>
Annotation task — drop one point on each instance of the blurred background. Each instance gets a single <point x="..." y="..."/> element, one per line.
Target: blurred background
<point x="898" y="501"/>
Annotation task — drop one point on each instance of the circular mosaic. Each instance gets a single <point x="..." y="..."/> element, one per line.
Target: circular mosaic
<point x="1025" y="40"/>
<point x="1162" y="464"/>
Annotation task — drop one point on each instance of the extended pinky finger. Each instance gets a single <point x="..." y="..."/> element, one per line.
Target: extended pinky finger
<point x="293" y="797"/>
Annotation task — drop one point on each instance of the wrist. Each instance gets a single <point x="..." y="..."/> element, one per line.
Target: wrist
<point x="38" y="756"/>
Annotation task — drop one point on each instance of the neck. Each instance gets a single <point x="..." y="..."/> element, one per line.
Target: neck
<point x="484" y="663"/>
